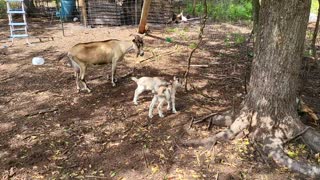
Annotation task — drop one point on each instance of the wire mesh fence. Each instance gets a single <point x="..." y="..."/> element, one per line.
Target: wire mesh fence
<point x="51" y="14"/>
<point x="126" y="12"/>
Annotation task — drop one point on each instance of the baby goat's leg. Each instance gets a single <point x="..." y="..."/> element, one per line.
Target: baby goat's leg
<point x="173" y="101"/>
<point x="168" y="98"/>
<point x="137" y="92"/>
<point x="153" y="102"/>
<point x="161" y="101"/>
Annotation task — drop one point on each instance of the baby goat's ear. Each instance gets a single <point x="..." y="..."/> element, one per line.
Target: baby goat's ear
<point x="174" y="77"/>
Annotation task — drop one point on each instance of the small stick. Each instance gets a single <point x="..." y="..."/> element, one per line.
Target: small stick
<point x="42" y="111"/>
<point x="191" y="122"/>
<point x="204" y="118"/>
<point x="197" y="65"/>
<point x="154" y="56"/>
<point x="97" y="177"/>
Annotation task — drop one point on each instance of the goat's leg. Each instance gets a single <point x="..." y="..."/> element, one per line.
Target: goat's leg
<point x="83" y="69"/>
<point x="153" y="102"/>
<point x="173" y="101"/>
<point x="137" y="92"/>
<point x="77" y="81"/>
<point x="76" y="68"/>
<point x="161" y="101"/>
<point x="113" y="72"/>
<point x="169" y="100"/>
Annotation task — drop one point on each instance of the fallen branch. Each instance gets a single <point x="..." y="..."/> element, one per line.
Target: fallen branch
<point x="42" y="111"/>
<point x="197" y="65"/>
<point x="275" y="151"/>
<point x="157" y="55"/>
<point x="98" y="177"/>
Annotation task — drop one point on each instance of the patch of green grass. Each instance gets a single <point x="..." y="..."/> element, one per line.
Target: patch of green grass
<point x="193" y="45"/>
<point x="171" y="30"/>
<point x="239" y="38"/>
<point x="314" y="6"/>
<point x="232" y="10"/>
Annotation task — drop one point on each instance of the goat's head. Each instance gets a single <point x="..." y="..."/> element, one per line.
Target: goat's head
<point x="177" y="82"/>
<point x="138" y="45"/>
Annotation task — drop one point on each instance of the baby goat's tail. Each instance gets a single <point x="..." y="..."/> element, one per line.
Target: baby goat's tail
<point x="134" y="79"/>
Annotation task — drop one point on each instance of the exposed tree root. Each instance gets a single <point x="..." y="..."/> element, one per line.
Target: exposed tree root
<point x="217" y="119"/>
<point x="236" y="127"/>
<point x="312" y="139"/>
<point x="273" y="147"/>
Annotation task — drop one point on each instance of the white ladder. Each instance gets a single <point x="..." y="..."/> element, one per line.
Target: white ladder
<point x="17" y="29"/>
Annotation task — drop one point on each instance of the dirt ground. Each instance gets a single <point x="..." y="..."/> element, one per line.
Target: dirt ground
<point x="49" y="131"/>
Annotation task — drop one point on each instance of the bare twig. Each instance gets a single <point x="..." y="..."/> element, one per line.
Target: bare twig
<point x="204" y="118"/>
<point x="157" y="55"/>
<point x="42" y="111"/>
<point x="98" y="177"/>
<point x="198" y="44"/>
<point x="197" y="65"/>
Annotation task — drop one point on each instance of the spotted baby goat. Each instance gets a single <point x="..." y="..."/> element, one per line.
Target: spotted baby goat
<point x="165" y="93"/>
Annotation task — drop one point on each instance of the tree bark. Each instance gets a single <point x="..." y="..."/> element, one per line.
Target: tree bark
<point x="255" y="13"/>
<point x="144" y="16"/>
<point x="271" y="100"/>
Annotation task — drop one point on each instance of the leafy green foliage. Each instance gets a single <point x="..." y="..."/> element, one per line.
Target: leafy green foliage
<point x="232" y="10"/>
<point x="314" y="6"/>
<point x="3" y="8"/>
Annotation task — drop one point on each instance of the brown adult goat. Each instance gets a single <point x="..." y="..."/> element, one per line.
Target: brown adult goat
<point x="101" y="52"/>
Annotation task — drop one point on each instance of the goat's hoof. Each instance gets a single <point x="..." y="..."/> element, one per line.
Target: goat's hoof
<point x="174" y="112"/>
<point x="135" y="103"/>
<point x="161" y="115"/>
<point x="150" y="116"/>
<point x="113" y="84"/>
<point x="88" y="90"/>
<point x="115" y="79"/>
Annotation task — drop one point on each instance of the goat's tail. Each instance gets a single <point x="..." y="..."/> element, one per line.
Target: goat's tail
<point x="134" y="79"/>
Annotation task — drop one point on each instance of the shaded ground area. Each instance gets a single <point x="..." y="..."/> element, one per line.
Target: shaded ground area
<point x="48" y="130"/>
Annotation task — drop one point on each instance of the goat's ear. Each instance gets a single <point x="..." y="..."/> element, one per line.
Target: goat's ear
<point x="174" y="78"/>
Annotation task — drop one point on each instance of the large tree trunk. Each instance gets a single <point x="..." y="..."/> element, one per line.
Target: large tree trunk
<point x="275" y="70"/>
<point x="269" y="110"/>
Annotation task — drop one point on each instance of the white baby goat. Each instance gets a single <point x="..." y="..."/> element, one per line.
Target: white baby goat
<point x="165" y="93"/>
<point x="147" y="84"/>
